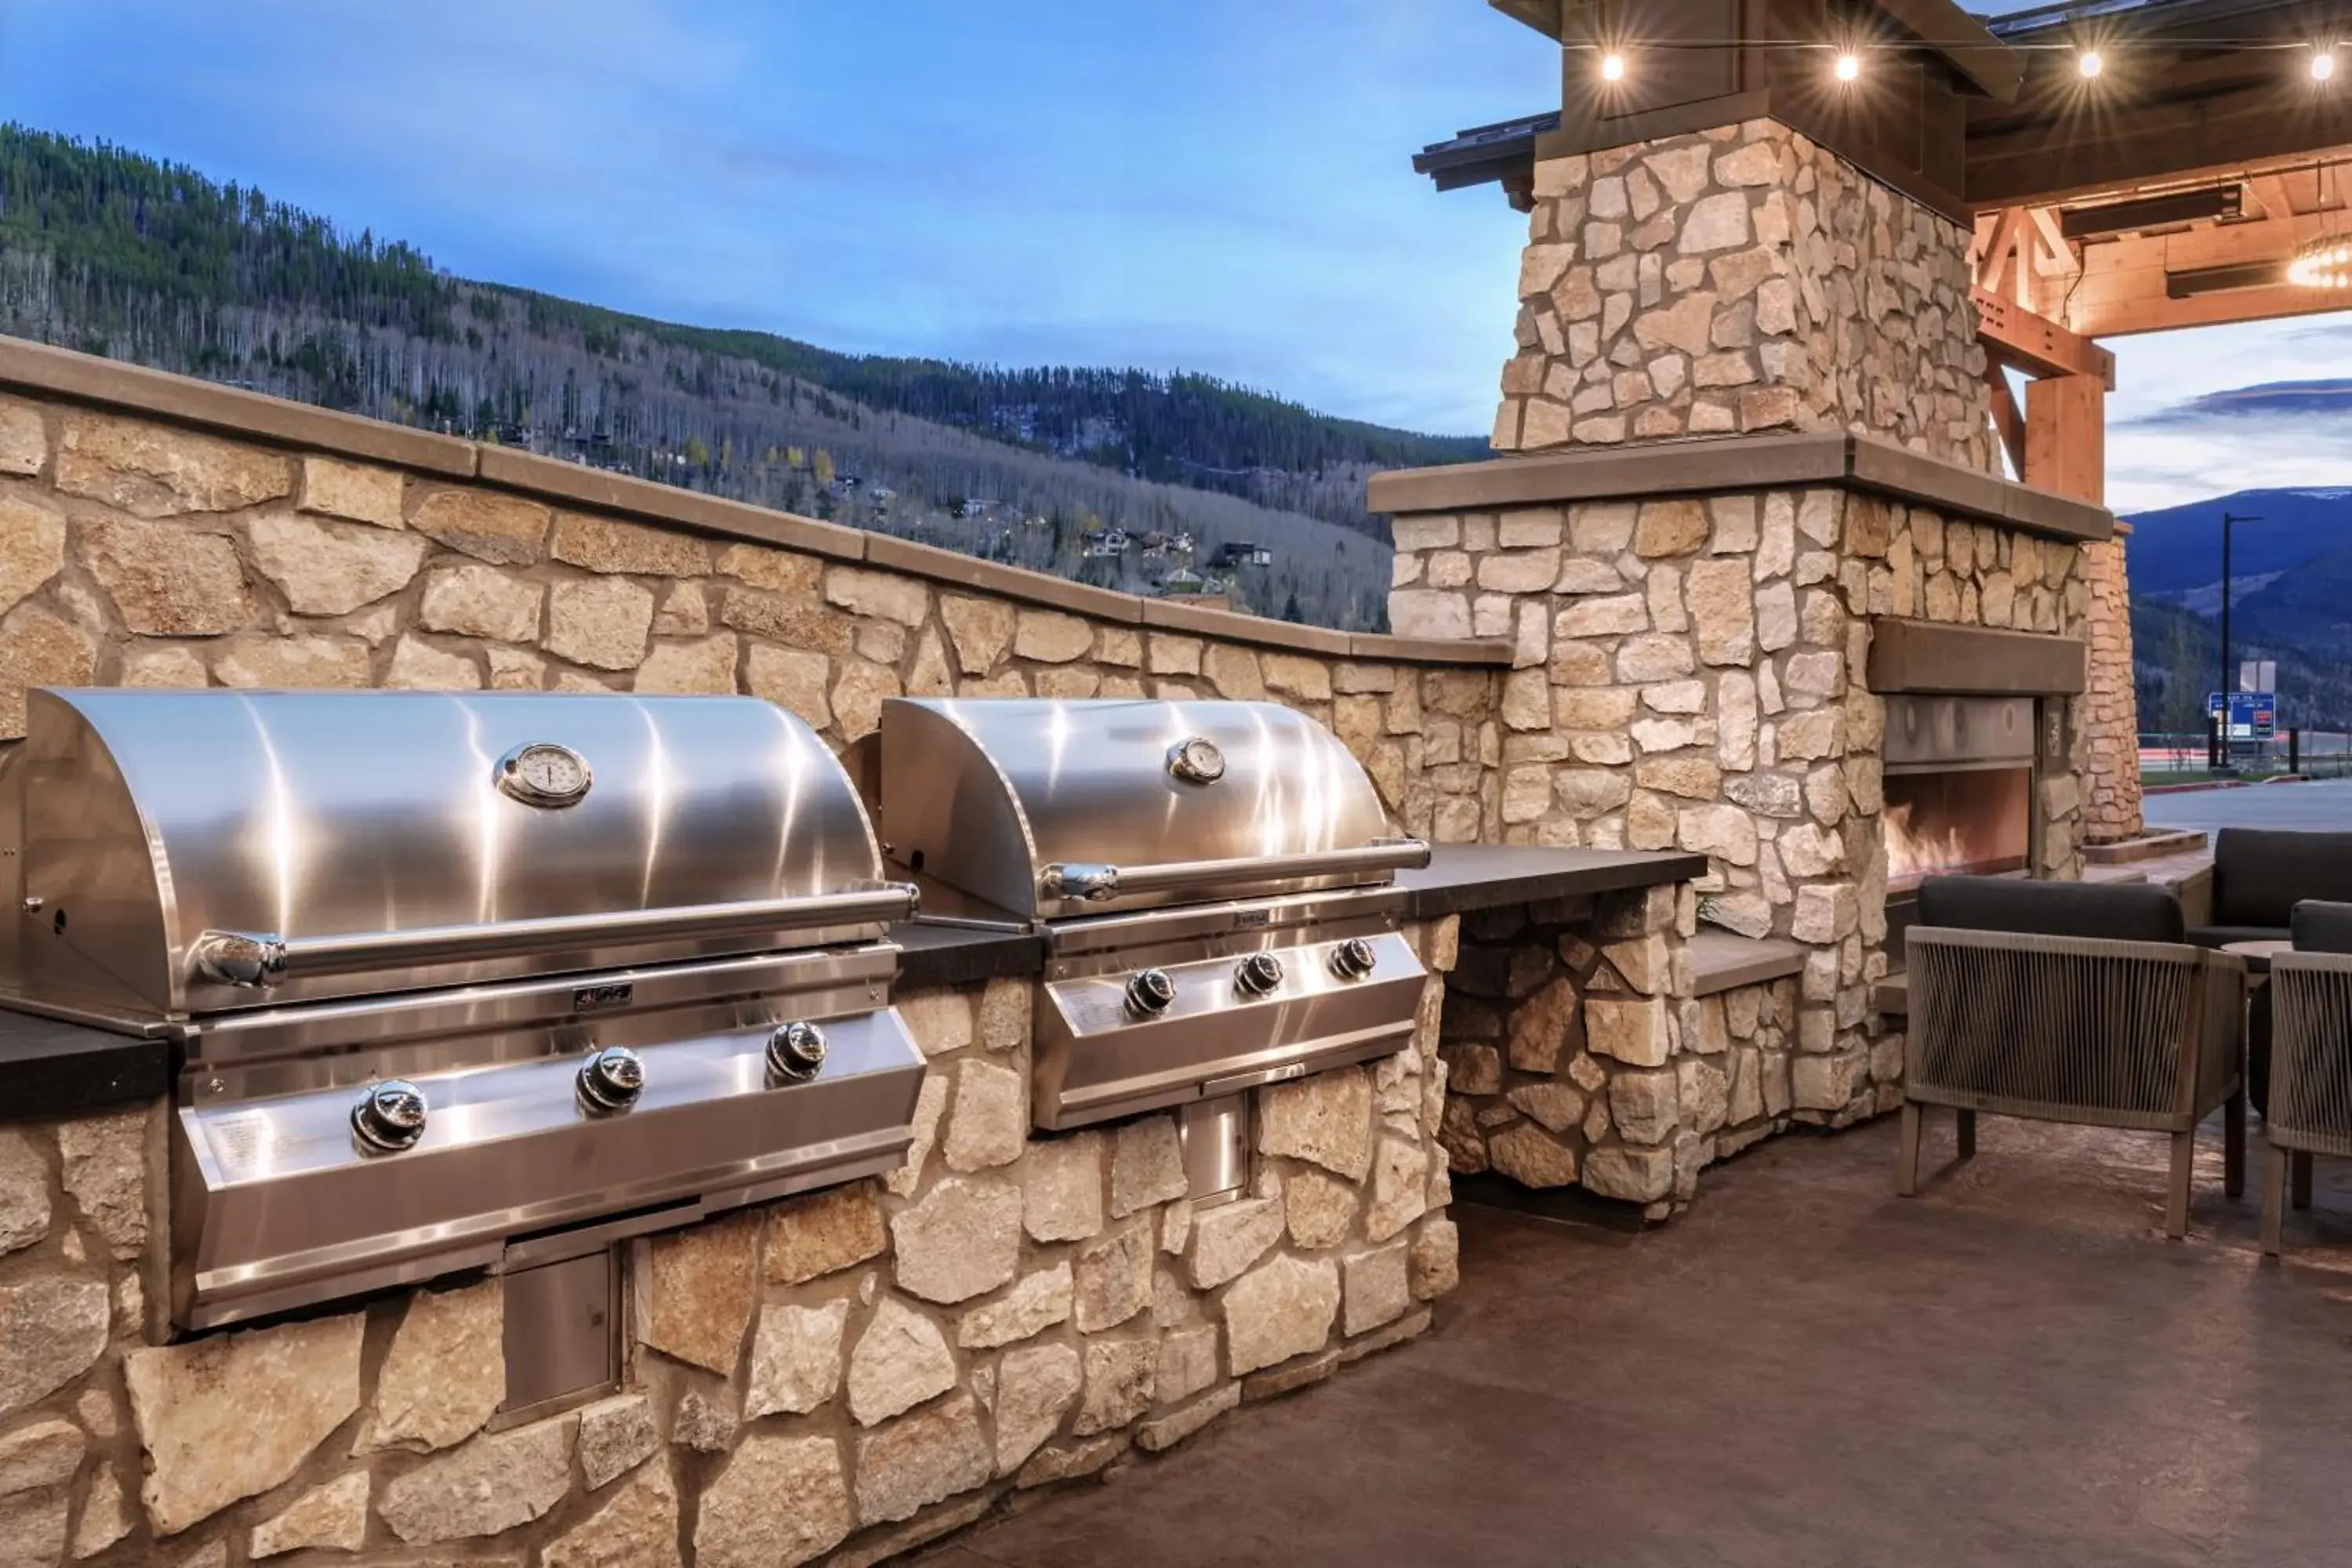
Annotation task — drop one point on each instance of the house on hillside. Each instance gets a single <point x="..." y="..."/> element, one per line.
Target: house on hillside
<point x="1103" y="544"/>
<point x="1237" y="552"/>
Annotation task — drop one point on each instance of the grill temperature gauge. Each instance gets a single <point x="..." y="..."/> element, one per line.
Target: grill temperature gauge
<point x="1258" y="974"/>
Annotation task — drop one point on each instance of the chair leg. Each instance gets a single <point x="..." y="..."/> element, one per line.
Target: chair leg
<point x="2234" y="1145"/>
<point x="1968" y="1131"/>
<point x="2303" y="1178"/>
<point x="1907" y="1160"/>
<point x="2176" y="1205"/>
<point x="2273" y="1200"/>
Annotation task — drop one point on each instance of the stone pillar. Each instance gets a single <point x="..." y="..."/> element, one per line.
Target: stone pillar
<point x="1739" y="280"/>
<point x="2066" y="451"/>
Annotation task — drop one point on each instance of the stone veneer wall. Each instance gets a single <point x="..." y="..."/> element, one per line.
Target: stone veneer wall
<point x="1691" y="675"/>
<point x="1738" y="279"/>
<point x="2111" y="804"/>
<point x="137" y="551"/>
<point x="1576" y="1053"/>
<point x="850" y="1372"/>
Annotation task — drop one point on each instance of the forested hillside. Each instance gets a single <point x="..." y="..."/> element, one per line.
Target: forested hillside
<point x="118" y="254"/>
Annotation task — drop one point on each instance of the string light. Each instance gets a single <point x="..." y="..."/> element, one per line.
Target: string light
<point x="2323" y="264"/>
<point x="2323" y="65"/>
<point x="1849" y="66"/>
<point x="2090" y="63"/>
<point x="1613" y="67"/>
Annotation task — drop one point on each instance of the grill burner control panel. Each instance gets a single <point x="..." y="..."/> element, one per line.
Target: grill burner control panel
<point x="1121" y="1041"/>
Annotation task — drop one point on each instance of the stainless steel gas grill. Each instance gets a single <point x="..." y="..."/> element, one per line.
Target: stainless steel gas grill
<point x="1210" y="879"/>
<point x="458" y="981"/>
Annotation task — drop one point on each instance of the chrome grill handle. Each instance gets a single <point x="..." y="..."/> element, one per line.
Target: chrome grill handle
<point x="264" y="959"/>
<point x="1092" y="883"/>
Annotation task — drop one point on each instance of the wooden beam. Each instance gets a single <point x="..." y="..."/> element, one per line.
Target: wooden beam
<point x="2007" y="421"/>
<point x="2066" y="437"/>
<point x="2008" y="236"/>
<point x="2122" y="289"/>
<point x="2037" y="344"/>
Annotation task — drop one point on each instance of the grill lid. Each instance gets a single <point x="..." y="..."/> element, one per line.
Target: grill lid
<point x="1050" y="808"/>
<point x="163" y="853"/>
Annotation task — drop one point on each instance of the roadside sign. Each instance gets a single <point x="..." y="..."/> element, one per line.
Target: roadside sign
<point x="2254" y="715"/>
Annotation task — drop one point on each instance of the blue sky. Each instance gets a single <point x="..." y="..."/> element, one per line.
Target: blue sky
<point x="1219" y="186"/>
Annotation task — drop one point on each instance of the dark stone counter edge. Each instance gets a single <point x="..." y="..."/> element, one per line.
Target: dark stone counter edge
<point x="53" y="1068"/>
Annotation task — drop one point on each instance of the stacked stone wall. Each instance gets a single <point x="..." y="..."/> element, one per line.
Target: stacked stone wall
<point x="2111" y="804"/>
<point x="842" y="1375"/>
<point x="1576" y="1053"/>
<point x="1691" y="675"/>
<point x="1742" y="279"/>
<point x="141" y="554"/>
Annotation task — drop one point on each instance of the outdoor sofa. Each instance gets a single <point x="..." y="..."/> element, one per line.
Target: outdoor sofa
<point x="2303" y="1023"/>
<point x="2075" y="1003"/>
<point x="2258" y="877"/>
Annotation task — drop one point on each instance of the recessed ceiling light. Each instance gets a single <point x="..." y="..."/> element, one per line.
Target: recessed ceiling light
<point x="1612" y="67"/>
<point x="1849" y="66"/>
<point x="2090" y="63"/>
<point x="2323" y="65"/>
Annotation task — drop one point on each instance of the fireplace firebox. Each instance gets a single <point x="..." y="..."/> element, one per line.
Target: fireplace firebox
<point x="1959" y="776"/>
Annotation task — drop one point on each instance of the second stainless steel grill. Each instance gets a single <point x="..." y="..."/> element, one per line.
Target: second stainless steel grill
<point x="1211" y="881"/>
<point x="458" y="981"/>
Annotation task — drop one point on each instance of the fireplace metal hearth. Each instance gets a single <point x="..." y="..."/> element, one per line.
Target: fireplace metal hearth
<point x="1960" y="775"/>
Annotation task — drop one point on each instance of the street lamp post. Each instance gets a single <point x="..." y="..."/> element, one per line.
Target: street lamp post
<point x="2228" y="683"/>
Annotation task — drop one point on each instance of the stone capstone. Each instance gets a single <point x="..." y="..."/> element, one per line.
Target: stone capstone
<point x="963" y="1239"/>
<point x="637" y="1529"/>
<point x="1039" y="1301"/>
<point x="1283" y="1307"/>
<point x="697" y="1291"/>
<point x="824" y="1233"/>
<point x="1033" y="1388"/>
<point x="446" y="1372"/>
<point x="901" y="1360"/>
<point x="795" y="1358"/>
<point x="330" y="1518"/>
<point x="1326" y="1119"/>
<point x="920" y="1459"/>
<point x="615" y="1436"/>
<point x="778" y="1502"/>
<point x="491" y="1484"/>
<point x="230" y="1416"/>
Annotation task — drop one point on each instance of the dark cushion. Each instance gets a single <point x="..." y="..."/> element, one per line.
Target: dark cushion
<point x="2261" y="874"/>
<point x="2322" y="927"/>
<point x="2122" y="913"/>
<point x="2222" y="936"/>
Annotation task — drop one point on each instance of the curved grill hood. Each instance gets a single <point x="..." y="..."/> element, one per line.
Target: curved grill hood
<point x="367" y="833"/>
<point x="1021" y="802"/>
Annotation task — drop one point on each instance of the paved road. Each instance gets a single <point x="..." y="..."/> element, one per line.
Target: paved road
<point x="2325" y="805"/>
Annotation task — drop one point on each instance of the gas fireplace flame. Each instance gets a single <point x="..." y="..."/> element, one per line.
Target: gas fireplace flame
<point x="1913" y="853"/>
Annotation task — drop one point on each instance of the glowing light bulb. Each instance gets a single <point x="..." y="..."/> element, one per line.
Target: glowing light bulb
<point x="2090" y="63"/>
<point x="1612" y="67"/>
<point x="1849" y="66"/>
<point x="2323" y="65"/>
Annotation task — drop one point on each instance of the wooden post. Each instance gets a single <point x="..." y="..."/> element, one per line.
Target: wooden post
<point x="2066" y="451"/>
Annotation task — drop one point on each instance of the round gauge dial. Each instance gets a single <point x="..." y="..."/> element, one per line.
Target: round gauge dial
<point x="1196" y="759"/>
<point x="543" y="773"/>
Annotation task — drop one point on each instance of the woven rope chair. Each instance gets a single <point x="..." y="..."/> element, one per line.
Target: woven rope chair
<point x="2016" y="1012"/>
<point x="2311" y="1057"/>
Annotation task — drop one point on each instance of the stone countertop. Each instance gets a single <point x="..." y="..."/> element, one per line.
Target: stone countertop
<point x="50" y="1068"/>
<point x="1461" y="876"/>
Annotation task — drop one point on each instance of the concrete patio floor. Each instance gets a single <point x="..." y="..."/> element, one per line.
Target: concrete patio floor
<point x="2015" y="1367"/>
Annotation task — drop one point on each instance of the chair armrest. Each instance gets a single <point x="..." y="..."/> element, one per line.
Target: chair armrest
<point x="2195" y="892"/>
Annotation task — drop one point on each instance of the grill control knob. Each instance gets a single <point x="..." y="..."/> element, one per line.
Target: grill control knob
<point x="1353" y="959"/>
<point x="796" y="1052"/>
<point x="612" y="1080"/>
<point x="1258" y="974"/>
<point x="1151" y="993"/>
<point x="390" y="1117"/>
